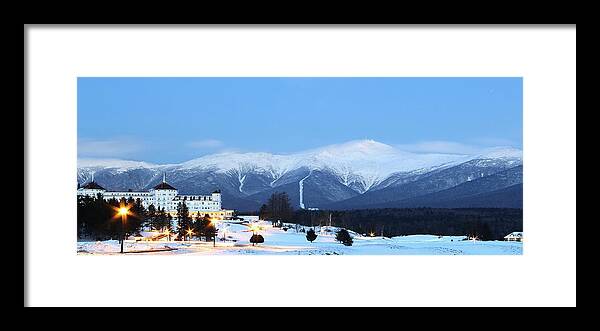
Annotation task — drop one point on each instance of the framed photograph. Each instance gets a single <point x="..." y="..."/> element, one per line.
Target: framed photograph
<point x="323" y="157"/>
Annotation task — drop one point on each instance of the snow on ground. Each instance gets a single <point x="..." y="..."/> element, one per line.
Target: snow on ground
<point x="290" y="242"/>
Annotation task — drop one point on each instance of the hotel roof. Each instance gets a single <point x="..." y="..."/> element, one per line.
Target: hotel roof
<point x="164" y="186"/>
<point x="93" y="186"/>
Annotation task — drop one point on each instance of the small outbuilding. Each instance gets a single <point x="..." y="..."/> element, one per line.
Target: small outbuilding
<point x="514" y="236"/>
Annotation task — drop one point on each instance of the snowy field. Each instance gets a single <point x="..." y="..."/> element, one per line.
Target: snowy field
<point x="290" y="242"/>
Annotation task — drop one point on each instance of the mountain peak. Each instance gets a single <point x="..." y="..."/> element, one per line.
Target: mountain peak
<point x="367" y="144"/>
<point x="502" y="152"/>
<point x="112" y="163"/>
<point x="363" y="146"/>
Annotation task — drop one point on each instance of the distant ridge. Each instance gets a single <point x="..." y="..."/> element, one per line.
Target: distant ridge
<point x="354" y="174"/>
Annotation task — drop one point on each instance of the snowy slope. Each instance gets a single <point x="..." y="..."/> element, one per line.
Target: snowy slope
<point x="121" y="165"/>
<point x="290" y="242"/>
<point x="340" y="172"/>
<point x="367" y="161"/>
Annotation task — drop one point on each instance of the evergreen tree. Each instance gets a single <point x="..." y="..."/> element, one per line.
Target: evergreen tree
<point x="88" y="217"/>
<point x="200" y="225"/>
<point x="112" y="228"/>
<point x="256" y="239"/>
<point x="164" y="221"/>
<point x="344" y="237"/>
<point x="167" y="219"/>
<point x="210" y="232"/>
<point x="184" y="221"/>
<point x="311" y="235"/>
<point x="135" y="219"/>
<point x="160" y="219"/>
<point x="151" y="219"/>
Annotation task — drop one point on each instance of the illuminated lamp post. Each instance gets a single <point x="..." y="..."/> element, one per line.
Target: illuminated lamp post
<point x="214" y="224"/>
<point x="123" y="211"/>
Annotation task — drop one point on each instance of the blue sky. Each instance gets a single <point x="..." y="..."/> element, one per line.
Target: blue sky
<point x="170" y="120"/>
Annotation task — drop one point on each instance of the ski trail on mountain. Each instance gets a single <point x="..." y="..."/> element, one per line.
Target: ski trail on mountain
<point x="276" y="176"/>
<point x="241" y="180"/>
<point x="301" y="184"/>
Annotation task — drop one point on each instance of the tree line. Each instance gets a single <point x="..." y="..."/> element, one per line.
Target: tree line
<point x="194" y="226"/>
<point x="483" y="223"/>
<point x="97" y="219"/>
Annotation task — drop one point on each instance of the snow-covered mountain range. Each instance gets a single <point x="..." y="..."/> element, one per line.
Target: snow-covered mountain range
<point x="355" y="174"/>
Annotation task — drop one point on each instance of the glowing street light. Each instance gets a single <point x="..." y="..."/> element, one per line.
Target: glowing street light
<point x="189" y="233"/>
<point x="123" y="211"/>
<point x="213" y="222"/>
<point x="371" y="234"/>
<point x="254" y="228"/>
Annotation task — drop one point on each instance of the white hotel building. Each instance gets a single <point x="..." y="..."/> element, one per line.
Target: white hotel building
<point x="164" y="196"/>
